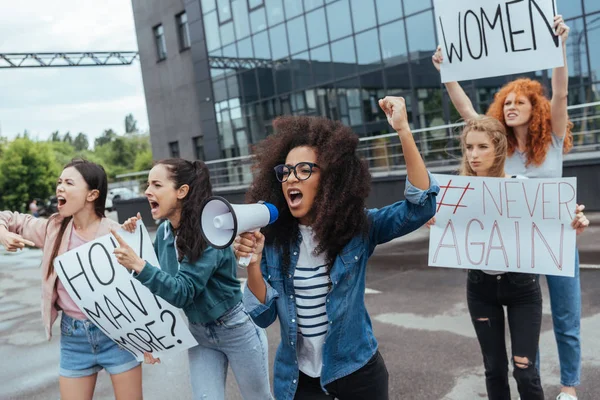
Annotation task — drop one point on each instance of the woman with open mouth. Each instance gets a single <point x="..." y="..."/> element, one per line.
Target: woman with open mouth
<point x="84" y="349"/>
<point x="202" y="281"/>
<point x="539" y="134"/>
<point x="309" y="268"/>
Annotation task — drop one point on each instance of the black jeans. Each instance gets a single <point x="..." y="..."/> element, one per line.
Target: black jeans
<point x="368" y="383"/>
<point x="486" y="294"/>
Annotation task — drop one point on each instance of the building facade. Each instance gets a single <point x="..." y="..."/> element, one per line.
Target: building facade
<point x="253" y="60"/>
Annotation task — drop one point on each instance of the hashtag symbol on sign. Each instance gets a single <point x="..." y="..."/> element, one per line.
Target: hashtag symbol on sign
<point x="449" y="187"/>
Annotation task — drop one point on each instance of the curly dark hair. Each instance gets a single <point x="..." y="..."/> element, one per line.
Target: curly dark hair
<point x="190" y="242"/>
<point x="344" y="185"/>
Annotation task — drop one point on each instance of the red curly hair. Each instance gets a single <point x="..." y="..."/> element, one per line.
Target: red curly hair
<point x="540" y="124"/>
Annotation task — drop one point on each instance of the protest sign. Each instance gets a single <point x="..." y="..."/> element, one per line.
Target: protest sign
<point x="505" y="224"/>
<point x="485" y="38"/>
<point x="117" y="303"/>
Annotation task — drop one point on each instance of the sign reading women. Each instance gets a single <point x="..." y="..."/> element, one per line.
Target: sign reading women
<point x="117" y="303"/>
<point x="485" y="38"/>
<point x="508" y="225"/>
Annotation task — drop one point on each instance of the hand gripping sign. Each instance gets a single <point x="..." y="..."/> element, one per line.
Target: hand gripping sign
<point x="118" y="304"/>
<point x="505" y="224"/>
<point x="485" y="38"/>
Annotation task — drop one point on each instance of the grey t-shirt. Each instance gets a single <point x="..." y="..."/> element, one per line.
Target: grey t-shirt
<point x="552" y="167"/>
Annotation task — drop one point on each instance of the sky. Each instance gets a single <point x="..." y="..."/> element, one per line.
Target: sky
<point x="75" y="99"/>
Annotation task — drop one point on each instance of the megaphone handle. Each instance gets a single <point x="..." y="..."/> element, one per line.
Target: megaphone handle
<point x="243" y="262"/>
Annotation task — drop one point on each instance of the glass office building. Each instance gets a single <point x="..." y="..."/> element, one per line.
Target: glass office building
<point x="257" y="59"/>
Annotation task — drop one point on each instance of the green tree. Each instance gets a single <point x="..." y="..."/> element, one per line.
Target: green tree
<point x="67" y="138"/>
<point x="107" y="136"/>
<point x="81" y="142"/>
<point x="63" y="152"/>
<point x="55" y="137"/>
<point x="28" y="170"/>
<point x="143" y="161"/>
<point x="130" y="124"/>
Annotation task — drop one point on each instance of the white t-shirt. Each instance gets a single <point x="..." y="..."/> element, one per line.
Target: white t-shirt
<point x="311" y="285"/>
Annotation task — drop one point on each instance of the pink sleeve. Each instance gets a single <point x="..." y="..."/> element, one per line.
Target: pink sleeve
<point x="26" y="225"/>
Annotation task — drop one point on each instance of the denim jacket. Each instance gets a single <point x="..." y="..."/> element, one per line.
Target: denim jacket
<point x="349" y="343"/>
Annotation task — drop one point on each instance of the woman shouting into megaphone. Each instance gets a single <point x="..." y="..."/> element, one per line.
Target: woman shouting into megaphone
<point x="309" y="268"/>
<point x="201" y="280"/>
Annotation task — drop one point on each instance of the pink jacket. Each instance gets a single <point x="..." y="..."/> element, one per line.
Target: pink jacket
<point x="43" y="232"/>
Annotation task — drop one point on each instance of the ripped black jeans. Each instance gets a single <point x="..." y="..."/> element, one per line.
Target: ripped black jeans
<point x="521" y="294"/>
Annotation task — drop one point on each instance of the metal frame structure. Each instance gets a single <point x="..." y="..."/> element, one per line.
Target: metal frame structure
<point x="67" y="59"/>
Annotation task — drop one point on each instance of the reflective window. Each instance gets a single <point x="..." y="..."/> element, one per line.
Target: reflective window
<point x="593" y="37"/>
<point x="258" y="20"/>
<point x="227" y="34"/>
<point x="245" y="48"/>
<point x="223" y="7"/>
<point x="279" y="46"/>
<point x="255" y="3"/>
<point x="211" y="27"/>
<point x="220" y="90"/>
<point x="302" y="70"/>
<point x="338" y="18"/>
<point x="183" y="31"/>
<point x="414" y="6"/>
<point x="591" y="6"/>
<point x="261" y="47"/>
<point x="321" y="63"/>
<point x="343" y="57"/>
<point x="570" y="8"/>
<point x="293" y="8"/>
<point x="208" y="5"/>
<point x="198" y="147"/>
<point x="312" y="4"/>
<point x="230" y="51"/>
<point x="161" y="45"/>
<point x="388" y="10"/>
<point x="298" y="36"/>
<point x="240" y="18"/>
<point x="274" y="11"/>
<point x="367" y="47"/>
<point x="174" y="149"/>
<point x="421" y="39"/>
<point x="393" y="41"/>
<point x="317" y="34"/>
<point x="363" y="14"/>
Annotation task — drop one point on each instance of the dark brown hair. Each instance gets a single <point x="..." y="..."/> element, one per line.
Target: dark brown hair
<point x="345" y="182"/>
<point x="190" y="242"/>
<point x="95" y="177"/>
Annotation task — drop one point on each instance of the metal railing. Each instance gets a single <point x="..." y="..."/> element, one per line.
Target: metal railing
<point x="439" y="145"/>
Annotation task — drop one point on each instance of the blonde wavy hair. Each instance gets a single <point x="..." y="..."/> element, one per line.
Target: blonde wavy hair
<point x="497" y="135"/>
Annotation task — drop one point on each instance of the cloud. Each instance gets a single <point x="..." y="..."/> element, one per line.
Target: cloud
<point x="77" y="99"/>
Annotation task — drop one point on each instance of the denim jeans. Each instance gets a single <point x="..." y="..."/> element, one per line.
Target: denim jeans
<point x="368" y="383"/>
<point x="232" y="339"/>
<point x="521" y="293"/>
<point x="565" y="301"/>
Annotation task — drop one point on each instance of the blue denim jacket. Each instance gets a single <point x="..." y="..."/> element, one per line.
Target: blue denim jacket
<point x="350" y="342"/>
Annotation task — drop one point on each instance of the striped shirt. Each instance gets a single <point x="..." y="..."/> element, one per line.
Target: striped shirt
<point x="311" y="284"/>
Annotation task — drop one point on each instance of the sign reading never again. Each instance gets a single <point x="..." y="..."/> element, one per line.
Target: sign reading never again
<point x="118" y="304"/>
<point x="486" y="38"/>
<point x="505" y="224"/>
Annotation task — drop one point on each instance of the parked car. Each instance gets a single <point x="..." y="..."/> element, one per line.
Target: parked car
<point x="48" y="207"/>
<point x="118" y="194"/>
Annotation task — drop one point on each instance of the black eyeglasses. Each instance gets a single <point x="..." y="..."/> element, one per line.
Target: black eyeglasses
<point x="302" y="171"/>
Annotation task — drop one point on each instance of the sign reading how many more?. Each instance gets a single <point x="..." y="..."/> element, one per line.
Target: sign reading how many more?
<point x="505" y="224"/>
<point x="485" y="38"/>
<point x="123" y="308"/>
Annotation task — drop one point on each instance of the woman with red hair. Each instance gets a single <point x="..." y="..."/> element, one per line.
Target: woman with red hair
<point x="539" y="133"/>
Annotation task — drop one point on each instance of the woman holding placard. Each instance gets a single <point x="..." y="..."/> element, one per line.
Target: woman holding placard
<point x="84" y="349"/>
<point x="309" y="268"/>
<point x="202" y="281"/>
<point x="539" y="133"/>
<point x="484" y="144"/>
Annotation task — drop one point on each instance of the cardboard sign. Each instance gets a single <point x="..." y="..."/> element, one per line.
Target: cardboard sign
<point x="505" y="224"/>
<point x="123" y="308"/>
<point x="485" y="38"/>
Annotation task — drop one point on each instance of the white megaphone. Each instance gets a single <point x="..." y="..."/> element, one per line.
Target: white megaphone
<point x="222" y="221"/>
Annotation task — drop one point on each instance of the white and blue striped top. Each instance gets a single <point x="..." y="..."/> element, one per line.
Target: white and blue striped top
<point x="311" y="284"/>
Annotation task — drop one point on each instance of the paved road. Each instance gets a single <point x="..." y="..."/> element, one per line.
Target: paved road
<point x="419" y="316"/>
